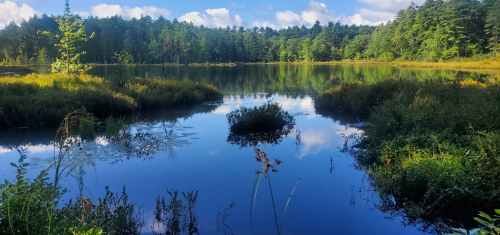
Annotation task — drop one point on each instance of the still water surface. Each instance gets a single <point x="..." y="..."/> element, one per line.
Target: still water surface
<point x="194" y="153"/>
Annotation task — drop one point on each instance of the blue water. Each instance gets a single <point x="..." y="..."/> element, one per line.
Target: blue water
<point x="333" y="197"/>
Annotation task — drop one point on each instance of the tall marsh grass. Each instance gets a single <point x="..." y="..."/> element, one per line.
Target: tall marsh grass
<point x="42" y="100"/>
<point x="434" y="144"/>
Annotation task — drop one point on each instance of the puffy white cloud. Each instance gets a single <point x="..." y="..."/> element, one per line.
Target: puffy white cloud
<point x="369" y="17"/>
<point x="314" y="11"/>
<point x="263" y="24"/>
<point x="320" y="11"/>
<point x="288" y="18"/>
<point x="219" y="17"/>
<point x="105" y="10"/>
<point x="10" y="11"/>
<point x="391" y="5"/>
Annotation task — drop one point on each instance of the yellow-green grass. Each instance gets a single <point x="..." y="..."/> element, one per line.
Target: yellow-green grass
<point x="42" y="100"/>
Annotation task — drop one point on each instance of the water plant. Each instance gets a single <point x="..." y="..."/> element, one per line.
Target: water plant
<point x="266" y="124"/>
<point x="268" y="167"/>
<point x="265" y="118"/>
<point x="431" y="145"/>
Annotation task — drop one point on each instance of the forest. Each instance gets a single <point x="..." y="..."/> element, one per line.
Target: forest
<point x="435" y="31"/>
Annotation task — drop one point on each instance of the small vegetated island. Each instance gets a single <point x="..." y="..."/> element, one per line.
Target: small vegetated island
<point x="266" y="124"/>
<point x="432" y="146"/>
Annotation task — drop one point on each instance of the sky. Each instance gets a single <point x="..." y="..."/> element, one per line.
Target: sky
<point x="218" y="13"/>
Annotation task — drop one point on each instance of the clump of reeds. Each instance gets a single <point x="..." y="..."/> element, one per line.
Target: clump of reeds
<point x="266" y="118"/>
<point x="435" y="143"/>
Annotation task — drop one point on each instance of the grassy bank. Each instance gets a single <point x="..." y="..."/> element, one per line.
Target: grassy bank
<point x="428" y="144"/>
<point x="43" y="100"/>
<point x="491" y="63"/>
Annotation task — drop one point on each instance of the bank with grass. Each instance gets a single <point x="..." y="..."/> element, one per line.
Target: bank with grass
<point x="430" y="145"/>
<point x="43" y="100"/>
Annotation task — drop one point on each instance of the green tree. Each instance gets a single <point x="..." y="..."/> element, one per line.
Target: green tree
<point x="493" y="27"/>
<point x="72" y="32"/>
<point x="124" y="62"/>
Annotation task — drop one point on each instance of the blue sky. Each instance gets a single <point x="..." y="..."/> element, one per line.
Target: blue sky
<point x="218" y="13"/>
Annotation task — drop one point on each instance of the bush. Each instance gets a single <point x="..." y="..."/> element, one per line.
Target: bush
<point x="267" y="118"/>
<point x="434" y="143"/>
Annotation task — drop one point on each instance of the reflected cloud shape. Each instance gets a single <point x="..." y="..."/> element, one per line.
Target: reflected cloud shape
<point x="315" y="140"/>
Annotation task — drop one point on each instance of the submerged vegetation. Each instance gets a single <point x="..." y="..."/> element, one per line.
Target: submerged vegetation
<point x="432" y="145"/>
<point x="39" y="100"/>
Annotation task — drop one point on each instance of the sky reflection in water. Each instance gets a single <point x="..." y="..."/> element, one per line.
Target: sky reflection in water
<point x="337" y="202"/>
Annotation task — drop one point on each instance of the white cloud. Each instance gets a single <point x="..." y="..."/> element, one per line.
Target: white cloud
<point x="320" y="11"/>
<point x="314" y="11"/>
<point x="288" y="18"/>
<point x="391" y="5"/>
<point x="219" y="17"/>
<point x="236" y="5"/>
<point x="263" y="24"/>
<point x="10" y="11"/>
<point x="369" y="17"/>
<point x="105" y="10"/>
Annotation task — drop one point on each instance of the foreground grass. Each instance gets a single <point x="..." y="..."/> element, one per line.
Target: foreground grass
<point x="428" y="144"/>
<point x="43" y="100"/>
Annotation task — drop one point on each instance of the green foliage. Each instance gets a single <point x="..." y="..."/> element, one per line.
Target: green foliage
<point x="176" y="217"/>
<point x="266" y="118"/>
<point x="39" y="100"/>
<point x="491" y="226"/>
<point x="114" y="214"/>
<point x="72" y="32"/>
<point x="436" y="30"/>
<point x="92" y="231"/>
<point x="124" y="62"/>
<point x="433" y="143"/>
<point x="160" y="93"/>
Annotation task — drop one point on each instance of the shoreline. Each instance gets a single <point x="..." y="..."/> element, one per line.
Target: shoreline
<point x="491" y="63"/>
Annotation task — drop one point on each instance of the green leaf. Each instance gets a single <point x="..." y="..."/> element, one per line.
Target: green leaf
<point x="484" y="215"/>
<point x="13" y="164"/>
<point x="483" y="222"/>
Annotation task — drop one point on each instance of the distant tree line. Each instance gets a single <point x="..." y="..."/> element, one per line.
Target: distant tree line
<point x="437" y="30"/>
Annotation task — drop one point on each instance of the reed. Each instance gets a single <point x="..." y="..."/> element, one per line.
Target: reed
<point x="430" y="144"/>
<point x="266" y="170"/>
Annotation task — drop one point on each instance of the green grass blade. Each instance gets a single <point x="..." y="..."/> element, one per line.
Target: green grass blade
<point x="288" y="202"/>
<point x="254" y="197"/>
<point x="274" y="208"/>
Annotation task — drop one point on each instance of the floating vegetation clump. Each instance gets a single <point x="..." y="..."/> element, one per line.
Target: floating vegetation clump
<point x="266" y="118"/>
<point x="266" y="124"/>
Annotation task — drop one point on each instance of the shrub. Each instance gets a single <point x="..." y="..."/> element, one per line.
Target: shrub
<point x="266" y="118"/>
<point x="434" y="143"/>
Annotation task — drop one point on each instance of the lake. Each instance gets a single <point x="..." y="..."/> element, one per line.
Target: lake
<point x="195" y="151"/>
